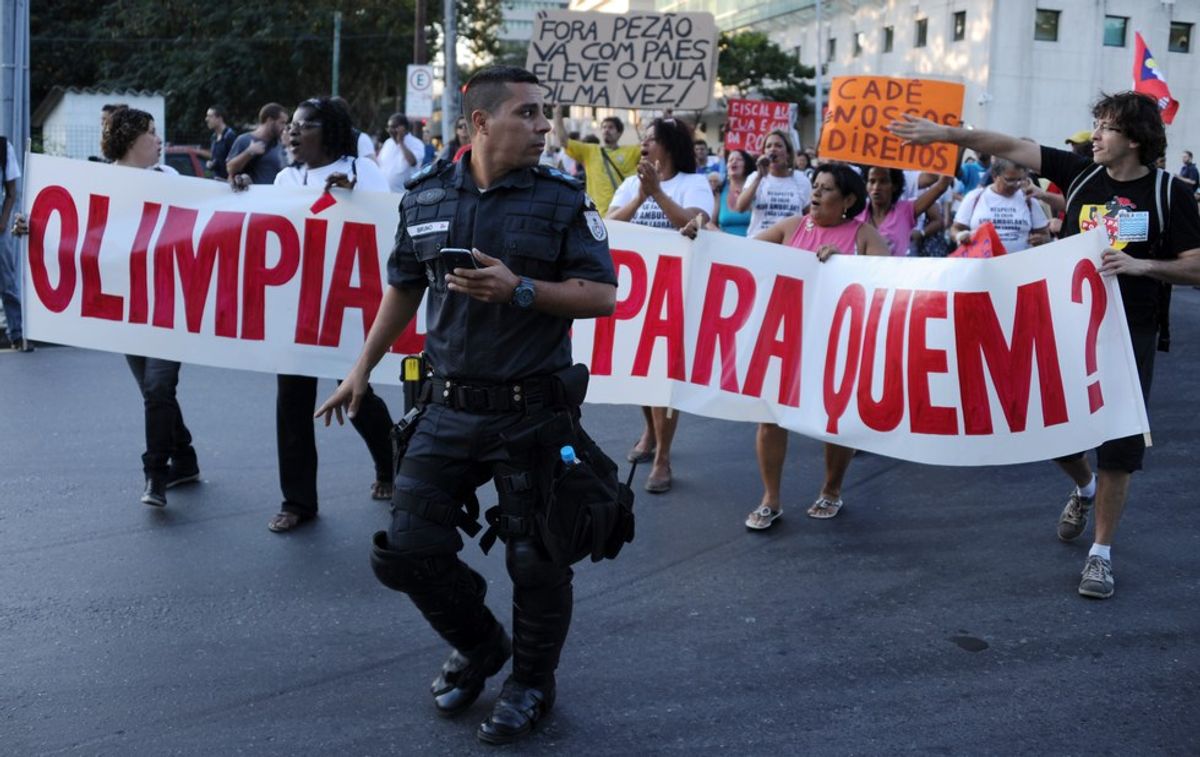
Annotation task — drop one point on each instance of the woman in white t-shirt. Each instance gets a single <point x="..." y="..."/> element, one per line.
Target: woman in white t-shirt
<point x="323" y="143"/>
<point x="325" y="149"/>
<point x="1019" y="219"/>
<point x="776" y="190"/>
<point x="665" y="193"/>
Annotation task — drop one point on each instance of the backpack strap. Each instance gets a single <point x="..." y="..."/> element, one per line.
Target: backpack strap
<point x="1078" y="182"/>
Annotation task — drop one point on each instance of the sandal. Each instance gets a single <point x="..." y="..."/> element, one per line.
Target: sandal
<point x="762" y="518"/>
<point x="659" y="485"/>
<point x="825" y="508"/>
<point x="382" y="490"/>
<point x="285" y="521"/>
<point x="636" y="455"/>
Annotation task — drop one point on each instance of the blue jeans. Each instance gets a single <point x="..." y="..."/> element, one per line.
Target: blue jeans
<point x="10" y="285"/>
<point x="167" y="438"/>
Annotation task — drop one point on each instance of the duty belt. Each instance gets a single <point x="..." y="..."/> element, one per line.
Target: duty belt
<point x="518" y="396"/>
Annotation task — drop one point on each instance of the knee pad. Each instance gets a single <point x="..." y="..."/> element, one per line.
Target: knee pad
<point x="409" y="570"/>
<point x="531" y="568"/>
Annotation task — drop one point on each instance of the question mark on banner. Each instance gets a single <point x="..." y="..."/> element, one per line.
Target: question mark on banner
<point x="1085" y="270"/>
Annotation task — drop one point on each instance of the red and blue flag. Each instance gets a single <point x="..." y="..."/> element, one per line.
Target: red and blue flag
<point x="1148" y="79"/>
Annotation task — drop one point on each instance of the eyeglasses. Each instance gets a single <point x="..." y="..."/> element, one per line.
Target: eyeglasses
<point x="304" y="125"/>
<point x="1101" y="126"/>
<point x="1013" y="182"/>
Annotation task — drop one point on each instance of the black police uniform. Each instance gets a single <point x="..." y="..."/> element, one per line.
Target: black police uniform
<point x="489" y="367"/>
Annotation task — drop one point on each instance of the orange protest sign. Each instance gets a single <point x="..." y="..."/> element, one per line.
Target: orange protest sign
<point x="861" y="107"/>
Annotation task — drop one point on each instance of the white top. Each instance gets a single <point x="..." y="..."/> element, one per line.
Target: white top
<point x="12" y="170"/>
<point x="395" y="166"/>
<point x="687" y="190"/>
<point x="366" y="148"/>
<point x="1013" y="217"/>
<point x="777" y="198"/>
<point x="370" y="177"/>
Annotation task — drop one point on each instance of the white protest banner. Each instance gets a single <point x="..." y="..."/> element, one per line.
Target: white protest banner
<point x="952" y="362"/>
<point x="144" y="263"/>
<point x="628" y="60"/>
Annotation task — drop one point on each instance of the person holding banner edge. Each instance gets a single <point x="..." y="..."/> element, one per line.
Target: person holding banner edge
<point x="321" y="137"/>
<point x="666" y="193"/>
<point x="128" y="139"/>
<point x="1116" y="188"/>
<point x="496" y="366"/>
<point x="833" y="226"/>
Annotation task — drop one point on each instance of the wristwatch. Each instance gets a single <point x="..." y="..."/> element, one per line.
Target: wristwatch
<point x="523" y="294"/>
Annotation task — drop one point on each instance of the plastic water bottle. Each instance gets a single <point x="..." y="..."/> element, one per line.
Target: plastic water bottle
<point x="568" y="455"/>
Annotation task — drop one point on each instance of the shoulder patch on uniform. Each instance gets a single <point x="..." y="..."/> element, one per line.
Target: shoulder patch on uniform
<point x="596" y="225"/>
<point x="431" y="196"/>
<point x="435" y="167"/>
<point x="587" y="202"/>
<point x="553" y="173"/>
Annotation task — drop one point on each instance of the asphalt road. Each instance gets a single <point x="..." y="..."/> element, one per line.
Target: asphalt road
<point x="936" y="615"/>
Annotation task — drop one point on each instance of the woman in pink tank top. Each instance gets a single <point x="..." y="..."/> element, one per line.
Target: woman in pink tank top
<point x="896" y="219"/>
<point x="831" y="227"/>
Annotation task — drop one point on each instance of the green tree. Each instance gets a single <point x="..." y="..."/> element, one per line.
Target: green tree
<point x="246" y="55"/>
<point x="752" y="64"/>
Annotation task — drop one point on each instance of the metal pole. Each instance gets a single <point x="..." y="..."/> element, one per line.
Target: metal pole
<point x="820" y="96"/>
<point x="337" y="51"/>
<point x="419" y="56"/>
<point x="450" y="79"/>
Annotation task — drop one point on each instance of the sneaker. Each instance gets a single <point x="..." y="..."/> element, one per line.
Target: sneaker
<point x="156" y="492"/>
<point x="1074" y="516"/>
<point x="1097" y="579"/>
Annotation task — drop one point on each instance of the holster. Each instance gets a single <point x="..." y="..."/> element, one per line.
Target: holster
<point x="573" y="510"/>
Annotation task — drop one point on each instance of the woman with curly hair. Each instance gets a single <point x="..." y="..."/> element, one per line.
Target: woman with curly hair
<point x="129" y="140"/>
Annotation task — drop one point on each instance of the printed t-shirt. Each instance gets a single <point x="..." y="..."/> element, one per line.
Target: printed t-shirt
<point x="1014" y="217"/>
<point x="1126" y="211"/>
<point x="777" y="198"/>
<point x="687" y="190"/>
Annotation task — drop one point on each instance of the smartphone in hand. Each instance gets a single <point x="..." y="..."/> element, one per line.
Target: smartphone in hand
<point x="457" y="257"/>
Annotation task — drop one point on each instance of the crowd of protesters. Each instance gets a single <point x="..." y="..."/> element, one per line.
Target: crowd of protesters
<point x="670" y="177"/>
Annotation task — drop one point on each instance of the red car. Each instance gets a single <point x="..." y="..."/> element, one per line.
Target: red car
<point x="187" y="160"/>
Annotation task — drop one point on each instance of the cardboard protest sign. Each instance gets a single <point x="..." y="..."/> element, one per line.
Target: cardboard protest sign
<point x="748" y="122"/>
<point x="951" y="362"/>
<point x="630" y="60"/>
<point x="861" y="107"/>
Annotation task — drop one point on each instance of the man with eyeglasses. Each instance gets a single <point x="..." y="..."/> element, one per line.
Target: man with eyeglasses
<point x="259" y="153"/>
<point x="1120" y="190"/>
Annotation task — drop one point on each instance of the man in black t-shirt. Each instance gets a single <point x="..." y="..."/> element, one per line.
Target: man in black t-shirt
<point x="1119" y="190"/>
<point x="222" y="141"/>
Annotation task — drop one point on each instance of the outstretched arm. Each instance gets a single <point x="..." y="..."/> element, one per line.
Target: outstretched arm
<point x="922" y="131"/>
<point x="396" y="309"/>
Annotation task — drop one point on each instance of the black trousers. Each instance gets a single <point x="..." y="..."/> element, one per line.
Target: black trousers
<point x="167" y="438"/>
<point x="420" y="557"/>
<point x="296" y="440"/>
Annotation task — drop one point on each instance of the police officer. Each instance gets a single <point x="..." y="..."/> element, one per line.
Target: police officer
<point x="497" y="345"/>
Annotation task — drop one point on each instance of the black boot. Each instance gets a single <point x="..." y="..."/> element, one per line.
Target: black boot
<point x="463" y="676"/>
<point x="451" y="597"/>
<point x="516" y="712"/>
<point x="156" y="491"/>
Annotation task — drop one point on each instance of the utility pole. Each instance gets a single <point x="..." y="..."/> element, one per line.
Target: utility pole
<point x="820" y="114"/>
<point x="419" y="56"/>
<point x="14" y="74"/>
<point x="337" y="51"/>
<point x="450" y="79"/>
